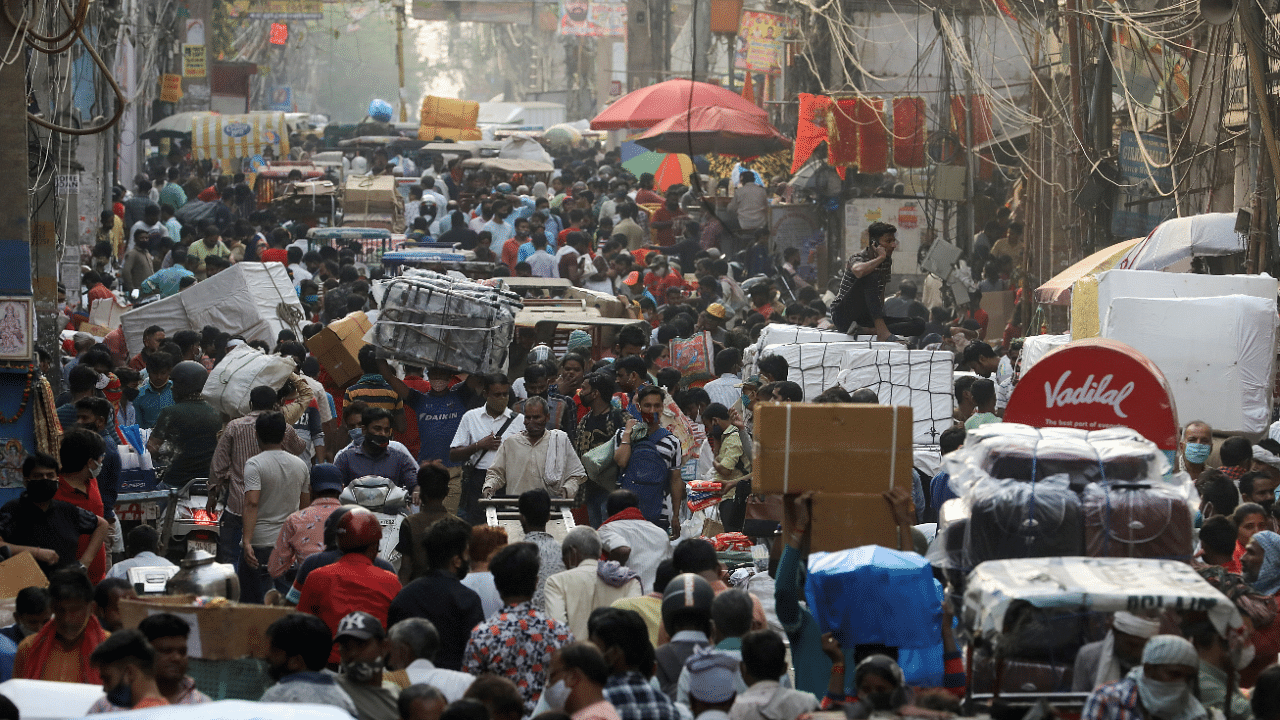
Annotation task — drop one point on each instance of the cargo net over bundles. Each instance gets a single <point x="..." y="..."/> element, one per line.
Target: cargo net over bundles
<point x="432" y="320"/>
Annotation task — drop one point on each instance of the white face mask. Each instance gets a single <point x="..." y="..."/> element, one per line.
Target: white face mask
<point x="557" y="695"/>
<point x="1245" y="656"/>
<point x="1162" y="698"/>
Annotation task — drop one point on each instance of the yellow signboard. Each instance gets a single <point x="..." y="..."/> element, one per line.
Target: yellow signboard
<point x="170" y="88"/>
<point x="193" y="61"/>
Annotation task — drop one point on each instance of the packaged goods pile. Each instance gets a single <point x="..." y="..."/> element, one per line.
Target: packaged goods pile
<point x="1024" y="492"/>
<point x="429" y="320"/>
<point x="921" y="379"/>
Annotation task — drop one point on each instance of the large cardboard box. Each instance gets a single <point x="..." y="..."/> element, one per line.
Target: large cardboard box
<point x="338" y="345"/>
<point x="227" y="631"/>
<point x="838" y="448"/>
<point x="370" y="193"/>
<point x="18" y="572"/>
<point x="843" y="521"/>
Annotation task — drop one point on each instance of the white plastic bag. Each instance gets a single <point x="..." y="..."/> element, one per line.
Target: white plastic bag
<point x="243" y="369"/>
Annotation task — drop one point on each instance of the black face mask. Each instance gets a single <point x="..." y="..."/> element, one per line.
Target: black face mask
<point x="880" y="700"/>
<point x="41" y="491"/>
<point x="130" y="393"/>
<point x="277" y="671"/>
<point x="378" y="441"/>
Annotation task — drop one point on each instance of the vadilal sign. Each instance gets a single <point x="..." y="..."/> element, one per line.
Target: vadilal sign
<point x="1093" y="384"/>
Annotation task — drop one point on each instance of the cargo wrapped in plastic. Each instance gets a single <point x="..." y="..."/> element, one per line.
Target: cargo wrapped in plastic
<point x="921" y="379"/>
<point x="783" y="334"/>
<point x="1035" y="347"/>
<point x="814" y="366"/>
<point x="253" y="300"/>
<point x="1137" y="520"/>
<point x="1228" y="383"/>
<point x="431" y="320"/>
<point x="244" y="368"/>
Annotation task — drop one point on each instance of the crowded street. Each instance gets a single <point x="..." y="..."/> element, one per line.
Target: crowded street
<point x="800" y="381"/>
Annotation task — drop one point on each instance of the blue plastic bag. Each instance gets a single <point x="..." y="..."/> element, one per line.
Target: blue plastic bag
<point x="873" y="594"/>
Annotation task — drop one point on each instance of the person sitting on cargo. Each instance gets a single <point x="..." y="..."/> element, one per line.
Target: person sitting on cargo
<point x="536" y="458"/>
<point x="1113" y="657"/>
<point x="860" y="301"/>
<point x="1160" y="688"/>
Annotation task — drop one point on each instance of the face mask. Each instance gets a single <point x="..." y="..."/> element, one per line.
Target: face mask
<point x="311" y="298"/>
<point x="354" y="434"/>
<point x="41" y="491"/>
<point x="714" y="431"/>
<point x="557" y="695"/>
<point x="1197" y="453"/>
<point x="361" y="671"/>
<point x="648" y="417"/>
<point x="1162" y="698"/>
<point x="121" y="695"/>
<point x="93" y="472"/>
<point x="103" y="382"/>
<point x="130" y="393"/>
<point x="378" y="440"/>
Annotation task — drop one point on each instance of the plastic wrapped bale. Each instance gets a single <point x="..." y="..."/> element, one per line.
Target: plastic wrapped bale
<point x="431" y="320"/>
<point x="921" y="379"/>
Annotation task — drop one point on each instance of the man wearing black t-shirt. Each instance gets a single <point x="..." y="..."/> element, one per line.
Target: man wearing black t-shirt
<point x="48" y="529"/>
<point x="861" y="298"/>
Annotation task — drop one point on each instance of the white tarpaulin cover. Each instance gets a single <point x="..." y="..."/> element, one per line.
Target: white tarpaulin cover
<point x="1218" y="354"/>
<point x="918" y="378"/>
<point x="523" y="147"/>
<point x="815" y="366"/>
<point x="1035" y="346"/>
<point x="1093" y="584"/>
<point x="1114" y="284"/>
<point x="48" y="700"/>
<point x="782" y="334"/>
<point x="1182" y="238"/>
<point x="229" y="710"/>
<point x="245" y="299"/>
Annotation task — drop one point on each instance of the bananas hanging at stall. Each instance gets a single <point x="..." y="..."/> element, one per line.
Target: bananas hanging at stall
<point x="767" y="166"/>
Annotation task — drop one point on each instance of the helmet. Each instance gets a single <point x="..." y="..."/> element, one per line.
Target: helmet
<point x="374" y="493"/>
<point x="331" y="525"/>
<point x="380" y="110"/>
<point x="358" y="529"/>
<point x="687" y="592"/>
<point x="188" y="378"/>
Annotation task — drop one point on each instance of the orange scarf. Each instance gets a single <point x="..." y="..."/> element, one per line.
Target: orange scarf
<point x="92" y="636"/>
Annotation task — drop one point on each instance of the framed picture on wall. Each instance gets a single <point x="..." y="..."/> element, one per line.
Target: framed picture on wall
<point x="15" y="329"/>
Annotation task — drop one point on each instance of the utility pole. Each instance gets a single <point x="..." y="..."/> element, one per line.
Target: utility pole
<point x="971" y="156"/>
<point x="398" y="7"/>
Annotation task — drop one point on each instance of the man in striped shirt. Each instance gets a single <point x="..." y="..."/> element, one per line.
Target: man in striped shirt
<point x="373" y="390"/>
<point x="238" y="443"/>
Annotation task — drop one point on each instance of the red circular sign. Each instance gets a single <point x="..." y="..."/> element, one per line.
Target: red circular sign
<point x="1093" y="384"/>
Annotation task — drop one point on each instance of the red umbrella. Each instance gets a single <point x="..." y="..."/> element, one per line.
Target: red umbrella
<point x="649" y="106"/>
<point x="715" y="130"/>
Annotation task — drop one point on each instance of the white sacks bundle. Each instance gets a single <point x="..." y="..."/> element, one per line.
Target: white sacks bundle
<point x="431" y="320"/>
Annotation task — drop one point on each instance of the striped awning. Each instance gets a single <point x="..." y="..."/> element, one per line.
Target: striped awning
<point x="228" y="139"/>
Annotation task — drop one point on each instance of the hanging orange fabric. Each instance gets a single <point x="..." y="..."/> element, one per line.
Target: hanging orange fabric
<point x="908" y="132"/>
<point x="749" y="89"/>
<point x="842" y="132"/>
<point x="811" y="130"/>
<point x="873" y="137"/>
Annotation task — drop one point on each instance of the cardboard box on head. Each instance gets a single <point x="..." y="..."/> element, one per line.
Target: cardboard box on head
<point x="849" y="453"/>
<point x="337" y="347"/>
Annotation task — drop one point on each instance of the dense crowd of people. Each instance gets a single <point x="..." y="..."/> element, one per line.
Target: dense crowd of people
<point x="631" y="614"/>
